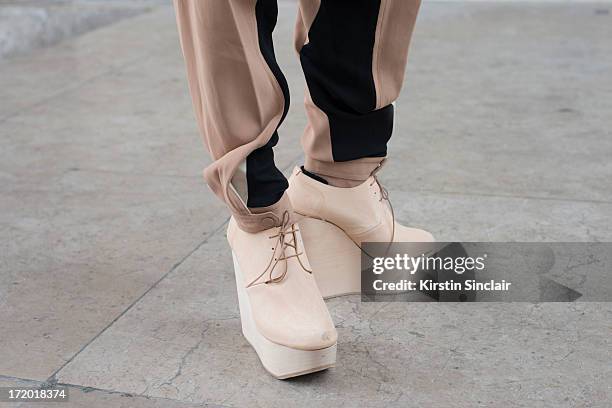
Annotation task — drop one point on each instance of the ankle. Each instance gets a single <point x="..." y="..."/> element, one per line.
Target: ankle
<point x="331" y="180"/>
<point x="345" y="174"/>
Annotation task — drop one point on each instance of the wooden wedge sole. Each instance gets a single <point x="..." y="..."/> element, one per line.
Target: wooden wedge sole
<point x="334" y="257"/>
<point x="280" y="361"/>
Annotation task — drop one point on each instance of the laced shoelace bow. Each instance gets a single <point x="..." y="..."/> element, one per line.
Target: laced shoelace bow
<point x="286" y="229"/>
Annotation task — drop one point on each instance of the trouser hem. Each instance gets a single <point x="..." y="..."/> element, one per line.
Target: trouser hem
<point x="263" y="218"/>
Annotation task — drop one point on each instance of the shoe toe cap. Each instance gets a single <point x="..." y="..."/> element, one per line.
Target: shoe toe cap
<point x="293" y="314"/>
<point x="301" y="335"/>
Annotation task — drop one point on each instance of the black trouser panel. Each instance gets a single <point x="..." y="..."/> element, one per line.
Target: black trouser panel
<point x="337" y="63"/>
<point x="265" y="182"/>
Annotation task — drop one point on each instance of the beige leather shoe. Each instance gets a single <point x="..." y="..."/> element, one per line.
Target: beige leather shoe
<point x="282" y="312"/>
<point x="339" y="220"/>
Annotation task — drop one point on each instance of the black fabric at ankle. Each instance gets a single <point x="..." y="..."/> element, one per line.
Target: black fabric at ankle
<point x="313" y="176"/>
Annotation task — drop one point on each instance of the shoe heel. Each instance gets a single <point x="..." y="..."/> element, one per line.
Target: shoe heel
<point x="334" y="257"/>
<point x="280" y="361"/>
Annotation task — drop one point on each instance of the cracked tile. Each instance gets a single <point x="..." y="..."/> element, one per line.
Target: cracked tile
<point x="183" y="341"/>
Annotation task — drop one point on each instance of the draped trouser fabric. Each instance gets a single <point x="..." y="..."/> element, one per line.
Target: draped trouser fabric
<point x="353" y="54"/>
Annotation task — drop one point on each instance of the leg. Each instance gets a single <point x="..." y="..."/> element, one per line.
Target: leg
<point x="240" y="98"/>
<point x="353" y="53"/>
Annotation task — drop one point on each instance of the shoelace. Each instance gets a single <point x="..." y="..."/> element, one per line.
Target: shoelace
<point x="384" y="195"/>
<point x="286" y="229"/>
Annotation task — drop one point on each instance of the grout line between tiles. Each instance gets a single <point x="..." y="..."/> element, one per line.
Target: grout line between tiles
<point x="52" y="378"/>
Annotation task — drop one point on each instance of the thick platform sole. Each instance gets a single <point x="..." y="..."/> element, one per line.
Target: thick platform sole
<point x="280" y="361"/>
<point x="334" y="257"/>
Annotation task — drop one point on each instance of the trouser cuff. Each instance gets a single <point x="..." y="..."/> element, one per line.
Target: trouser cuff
<point x="263" y="218"/>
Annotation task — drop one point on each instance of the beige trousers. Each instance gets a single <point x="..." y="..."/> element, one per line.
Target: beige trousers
<point x="353" y="53"/>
